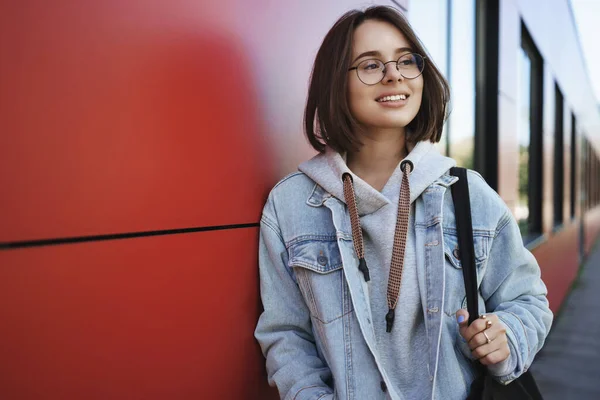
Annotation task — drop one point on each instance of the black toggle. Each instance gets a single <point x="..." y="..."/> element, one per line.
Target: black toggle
<point x="383" y="387"/>
<point x="389" y="320"/>
<point x="403" y="165"/>
<point x="362" y="267"/>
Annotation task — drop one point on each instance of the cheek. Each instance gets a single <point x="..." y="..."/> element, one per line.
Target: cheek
<point x="417" y="86"/>
<point x="357" y="97"/>
<point x="417" y="90"/>
<point x="354" y="91"/>
<point x="419" y="101"/>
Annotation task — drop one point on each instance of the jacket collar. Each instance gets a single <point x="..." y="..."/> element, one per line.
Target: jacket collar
<point x="326" y="170"/>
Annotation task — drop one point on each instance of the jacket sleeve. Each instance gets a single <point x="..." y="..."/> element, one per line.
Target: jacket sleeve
<point x="284" y="329"/>
<point x="513" y="290"/>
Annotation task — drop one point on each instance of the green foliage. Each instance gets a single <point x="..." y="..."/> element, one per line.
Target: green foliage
<point x="524" y="172"/>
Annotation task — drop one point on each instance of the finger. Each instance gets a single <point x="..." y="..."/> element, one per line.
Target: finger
<point x="496" y="356"/>
<point x="492" y="332"/>
<point x="462" y="317"/>
<point x="482" y="338"/>
<point x="480" y="324"/>
<point x="499" y="343"/>
<point x="476" y="326"/>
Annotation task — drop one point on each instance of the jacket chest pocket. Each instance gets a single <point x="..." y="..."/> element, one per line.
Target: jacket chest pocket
<point x="318" y="269"/>
<point x="452" y="251"/>
<point x="454" y="272"/>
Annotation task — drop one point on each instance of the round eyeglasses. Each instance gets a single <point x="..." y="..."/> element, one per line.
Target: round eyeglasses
<point x="372" y="71"/>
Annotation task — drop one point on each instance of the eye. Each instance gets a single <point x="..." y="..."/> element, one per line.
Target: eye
<point x="408" y="61"/>
<point x="370" y="66"/>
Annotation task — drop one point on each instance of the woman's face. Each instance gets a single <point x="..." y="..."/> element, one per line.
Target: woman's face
<point x="370" y="104"/>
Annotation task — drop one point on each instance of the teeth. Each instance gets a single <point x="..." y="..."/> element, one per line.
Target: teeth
<point x="393" y="98"/>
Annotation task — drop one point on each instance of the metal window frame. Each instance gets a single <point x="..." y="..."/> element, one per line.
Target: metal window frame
<point x="573" y="187"/>
<point x="536" y="143"/>
<point x="559" y="162"/>
<point x="487" y="28"/>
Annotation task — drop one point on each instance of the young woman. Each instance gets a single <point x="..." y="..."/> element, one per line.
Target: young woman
<point x="361" y="278"/>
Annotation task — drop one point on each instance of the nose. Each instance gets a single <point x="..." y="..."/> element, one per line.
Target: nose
<point x="391" y="73"/>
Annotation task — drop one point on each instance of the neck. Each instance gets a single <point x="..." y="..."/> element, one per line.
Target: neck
<point x="378" y="157"/>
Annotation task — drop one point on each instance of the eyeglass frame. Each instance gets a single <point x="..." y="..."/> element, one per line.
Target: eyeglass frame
<point x="385" y="70"/>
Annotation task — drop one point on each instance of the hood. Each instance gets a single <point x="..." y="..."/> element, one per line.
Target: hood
<point x="327" y="168"/>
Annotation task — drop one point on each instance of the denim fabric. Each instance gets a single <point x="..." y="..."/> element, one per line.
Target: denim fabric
<point x="316" y="330"/>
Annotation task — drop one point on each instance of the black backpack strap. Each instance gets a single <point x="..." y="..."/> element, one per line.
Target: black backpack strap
<point x="464" y="226"/>
<point x="484" y="387"/>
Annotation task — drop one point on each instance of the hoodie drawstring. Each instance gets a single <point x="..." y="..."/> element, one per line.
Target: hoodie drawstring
<point x="399" y="247"/>
<point x="357" y="236"/>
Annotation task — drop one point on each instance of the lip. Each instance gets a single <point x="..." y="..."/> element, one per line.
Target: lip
<point x="392" y="94"/>
<point x="393" y="103"/>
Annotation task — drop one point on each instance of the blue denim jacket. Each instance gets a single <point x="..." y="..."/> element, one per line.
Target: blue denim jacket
<point x="316" y="329"/>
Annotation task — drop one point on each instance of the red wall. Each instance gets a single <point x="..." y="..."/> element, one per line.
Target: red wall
<point x="559" y="261"/>
<point x="558" y="256"/>
<point x="166" y="317"/>
<point x="123" y="117"/>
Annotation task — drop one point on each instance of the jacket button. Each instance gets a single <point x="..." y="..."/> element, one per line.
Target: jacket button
<point x="456" y="253"/>
<point x="322" y="260"/>
<point x="383" y="387"/>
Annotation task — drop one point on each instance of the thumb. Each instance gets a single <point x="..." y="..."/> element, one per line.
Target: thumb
<point x="462" y="317"/>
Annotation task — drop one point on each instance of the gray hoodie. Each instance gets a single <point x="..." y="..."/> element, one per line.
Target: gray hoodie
<point x="404" y="349"/>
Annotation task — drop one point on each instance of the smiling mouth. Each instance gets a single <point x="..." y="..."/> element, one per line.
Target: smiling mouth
<point x="392" y="98"/>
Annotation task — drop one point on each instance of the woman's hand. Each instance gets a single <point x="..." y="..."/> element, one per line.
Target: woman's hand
<point x="486" y="337"/>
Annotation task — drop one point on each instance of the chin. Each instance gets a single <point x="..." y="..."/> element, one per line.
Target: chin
<point x="392" y="123"/>
<point x="378" y="120"/>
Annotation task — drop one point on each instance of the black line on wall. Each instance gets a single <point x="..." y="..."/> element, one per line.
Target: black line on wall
<point x="118" y="236"/>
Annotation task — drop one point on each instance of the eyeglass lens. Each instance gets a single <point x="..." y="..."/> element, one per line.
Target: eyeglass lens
<point x="371" y="72"/>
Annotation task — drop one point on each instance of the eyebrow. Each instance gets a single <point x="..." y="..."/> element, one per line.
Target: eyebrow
<point x="376" y="53"/>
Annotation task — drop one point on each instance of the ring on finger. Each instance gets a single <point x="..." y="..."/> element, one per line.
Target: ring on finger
<point x="488" y="324"/>
<point x="487" y="337"/>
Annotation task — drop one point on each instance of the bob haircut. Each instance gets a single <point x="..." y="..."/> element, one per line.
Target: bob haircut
<point x="327" y="117"/>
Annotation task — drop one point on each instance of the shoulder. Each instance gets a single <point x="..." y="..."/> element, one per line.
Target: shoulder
<point x="292" y="181"/>
<point x="294" y="185"/>
<point x="487" y="207"/>
<point x="479" y="189"/>
<point x="292" y="191"/>
<point x="289" y="212"/>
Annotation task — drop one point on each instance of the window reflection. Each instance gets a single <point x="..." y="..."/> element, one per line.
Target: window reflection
<point x="429" y="19"/>
<point x="524" y="133"/>
<point x="447" y="29"/>
<point x="461" y="130"/>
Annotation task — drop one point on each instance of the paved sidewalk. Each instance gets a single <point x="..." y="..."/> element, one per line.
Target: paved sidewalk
<point x="568" y="367"/>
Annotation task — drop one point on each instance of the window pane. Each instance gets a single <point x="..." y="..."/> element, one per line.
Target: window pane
<point x="429" y="19"/>
<point x="524" y="132"/>
<point x="461" y="132"/>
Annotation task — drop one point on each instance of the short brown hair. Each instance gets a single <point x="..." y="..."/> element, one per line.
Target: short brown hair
<point x="327" y="117"/>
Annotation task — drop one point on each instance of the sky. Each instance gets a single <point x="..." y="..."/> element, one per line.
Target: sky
<point x="587" y="17"/>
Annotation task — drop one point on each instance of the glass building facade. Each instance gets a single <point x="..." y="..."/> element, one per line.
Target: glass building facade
<point x="447" y="29"/>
